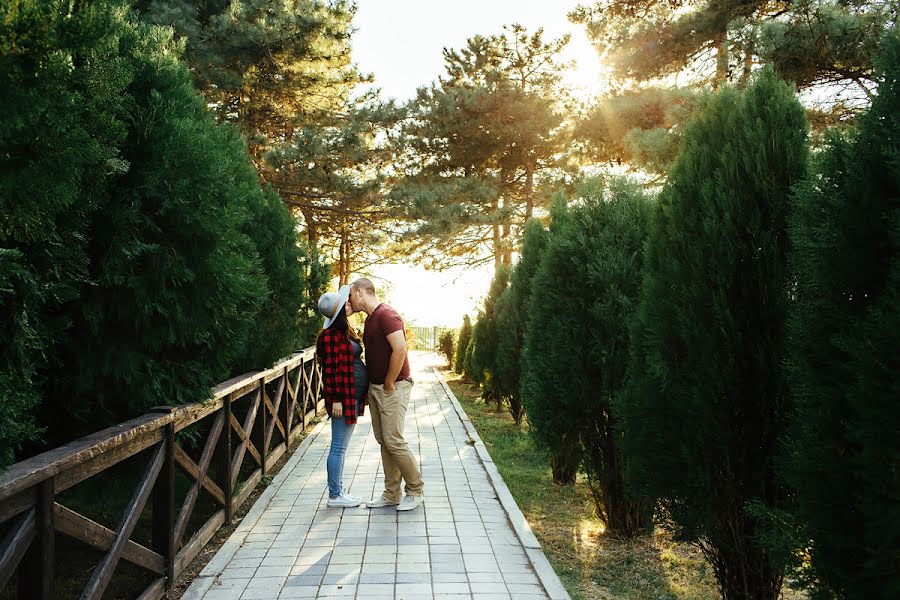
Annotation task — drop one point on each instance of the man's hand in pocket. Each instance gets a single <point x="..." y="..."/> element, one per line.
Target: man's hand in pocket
<point x="337" y="410"/>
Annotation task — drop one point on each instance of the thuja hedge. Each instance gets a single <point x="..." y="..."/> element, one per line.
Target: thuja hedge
<point x="142" y="262"/>
<point x="759" y="405"/>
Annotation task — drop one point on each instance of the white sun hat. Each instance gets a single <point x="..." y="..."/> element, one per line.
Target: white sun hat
<point x="331" y="303"/>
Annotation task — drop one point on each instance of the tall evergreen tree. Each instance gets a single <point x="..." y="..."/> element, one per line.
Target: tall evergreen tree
<point x="576" y="342"/>
<point x="843" y="446"/>
<point x="462" y="344"/>
<point x="512" y="313"/>
<point x="550" y="425"/>
<point x="706" y="400"/>
<point x="485" y="336"/>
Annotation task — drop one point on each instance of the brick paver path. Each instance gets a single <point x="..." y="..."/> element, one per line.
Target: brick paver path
<point x="462" y="546"/>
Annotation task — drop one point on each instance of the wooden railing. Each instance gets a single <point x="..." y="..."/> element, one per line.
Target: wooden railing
<point x="284" y="398"/>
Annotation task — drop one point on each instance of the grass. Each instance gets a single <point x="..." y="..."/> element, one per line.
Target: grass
<point x="591" y="565"/>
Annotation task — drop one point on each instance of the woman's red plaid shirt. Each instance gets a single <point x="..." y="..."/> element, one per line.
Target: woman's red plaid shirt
<point x="336" y="357"/>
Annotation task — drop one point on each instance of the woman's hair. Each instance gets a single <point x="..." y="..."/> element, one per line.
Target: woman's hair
<point x="341" y="324"/>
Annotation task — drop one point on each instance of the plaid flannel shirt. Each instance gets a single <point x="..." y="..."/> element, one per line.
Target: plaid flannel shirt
<point x="336" y="357"/>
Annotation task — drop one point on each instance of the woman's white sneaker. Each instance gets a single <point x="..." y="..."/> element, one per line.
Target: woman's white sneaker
<point x="344" y="501"/>
<point x="410" y="502"/>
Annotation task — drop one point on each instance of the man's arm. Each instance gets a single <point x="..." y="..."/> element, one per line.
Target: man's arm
<point x="397" y="341"/>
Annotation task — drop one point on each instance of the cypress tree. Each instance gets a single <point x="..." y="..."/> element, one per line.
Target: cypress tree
<point x="462" y="345"/>
<point x="485" y="336"/>
<point x="585" y="291"/>
<point x="706" y="400"/>
<point x="512" y="312"/>
<point x="549" y="422"/>
<point x="843" y="447"/>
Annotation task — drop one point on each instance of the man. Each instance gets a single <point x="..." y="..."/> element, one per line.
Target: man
<point x="389" y="389"/>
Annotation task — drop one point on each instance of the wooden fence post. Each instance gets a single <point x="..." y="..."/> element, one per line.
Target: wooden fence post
<point x="287" y="411"/>
<point x="227" y="483"/>
<point x="36" y="570"/>
<point x="260" y="428"/>
<point x="164" y="502"/>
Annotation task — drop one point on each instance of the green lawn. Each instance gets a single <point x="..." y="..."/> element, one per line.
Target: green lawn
<point x="590" y="564"/>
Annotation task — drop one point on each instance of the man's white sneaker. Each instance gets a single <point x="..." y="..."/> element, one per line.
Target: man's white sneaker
<point x="381" y="501"/>
<point x="344" y="493"/>
<point x="410" y="502"/>
<point x="344" y="501"/>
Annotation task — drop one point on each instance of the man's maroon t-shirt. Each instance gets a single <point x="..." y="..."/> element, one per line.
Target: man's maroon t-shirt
<point x="384" y="320"/>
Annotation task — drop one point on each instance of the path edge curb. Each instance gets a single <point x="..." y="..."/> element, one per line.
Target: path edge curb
<point x="206" y="577"/>
<point x="542" y="567"/>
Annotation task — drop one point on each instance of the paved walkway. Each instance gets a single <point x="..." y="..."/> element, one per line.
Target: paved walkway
<point x="469" y="543"/>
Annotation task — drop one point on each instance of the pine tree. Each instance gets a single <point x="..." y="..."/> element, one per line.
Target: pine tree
<point x="482" y="136"/>
<point x="512" y="312"/>
<point x="462" y="344"/>
<point x="842" y="448"/>
<point x="706" y="400"/>
<point x="268" y="66"/>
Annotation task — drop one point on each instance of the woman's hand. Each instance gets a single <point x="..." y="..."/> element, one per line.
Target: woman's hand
<point x="337" y="410"/>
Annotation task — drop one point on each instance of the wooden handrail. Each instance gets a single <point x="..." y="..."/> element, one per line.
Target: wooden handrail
<point x="28" y="488"/>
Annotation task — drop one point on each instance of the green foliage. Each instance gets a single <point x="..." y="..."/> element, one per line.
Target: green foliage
<point x="142" y="262"/>
<point x="485" y="336"/>
<point x="462" y="344"/>
<point x="445" y="345"/>
<point x="585" y="290"/>
<point x="265" y="65"/>
<point x="639" y="127"/>
<point x="842" y="448"/>
<point x="706" y="400"/>
<point x="512" y="313"/>
<point x="61" y="86"/>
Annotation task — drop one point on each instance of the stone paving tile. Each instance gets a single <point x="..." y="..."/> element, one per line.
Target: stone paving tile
<point x="458" y="546"/>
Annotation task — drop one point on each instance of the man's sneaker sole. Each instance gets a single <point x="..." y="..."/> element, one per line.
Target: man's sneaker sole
<point x="343" y="504"/>
<point x="403" y="506"/>
<point x="380" y="504"/>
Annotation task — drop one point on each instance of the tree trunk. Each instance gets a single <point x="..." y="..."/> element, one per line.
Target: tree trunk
<point x="563" y="471"/>
<point x="312" y="231"/>
<point x="743" y="570"/>
<point x="344" y="259"/>
<point x="721" y="42"/>
<point x="748" y="64"/>
<point x="496" y="237"/>
<point x="505" y="227"/>
<point x="529" y="191"/>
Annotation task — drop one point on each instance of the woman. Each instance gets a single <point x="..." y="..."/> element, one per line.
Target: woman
<point x="344" y="385"/>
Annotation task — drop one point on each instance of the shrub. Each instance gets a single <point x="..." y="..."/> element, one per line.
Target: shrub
<point x="445" y="345"/>
<point x="462" y="345"/>
<point x="147" y="262"/>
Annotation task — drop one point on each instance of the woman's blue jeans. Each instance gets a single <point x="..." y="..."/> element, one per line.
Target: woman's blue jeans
<point x="340" y="438"/>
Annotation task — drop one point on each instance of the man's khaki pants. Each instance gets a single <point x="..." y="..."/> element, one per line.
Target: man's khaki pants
<point x="397" y="460"/>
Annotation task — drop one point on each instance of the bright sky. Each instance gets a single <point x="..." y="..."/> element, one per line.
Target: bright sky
<point x="400" y="42"/>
